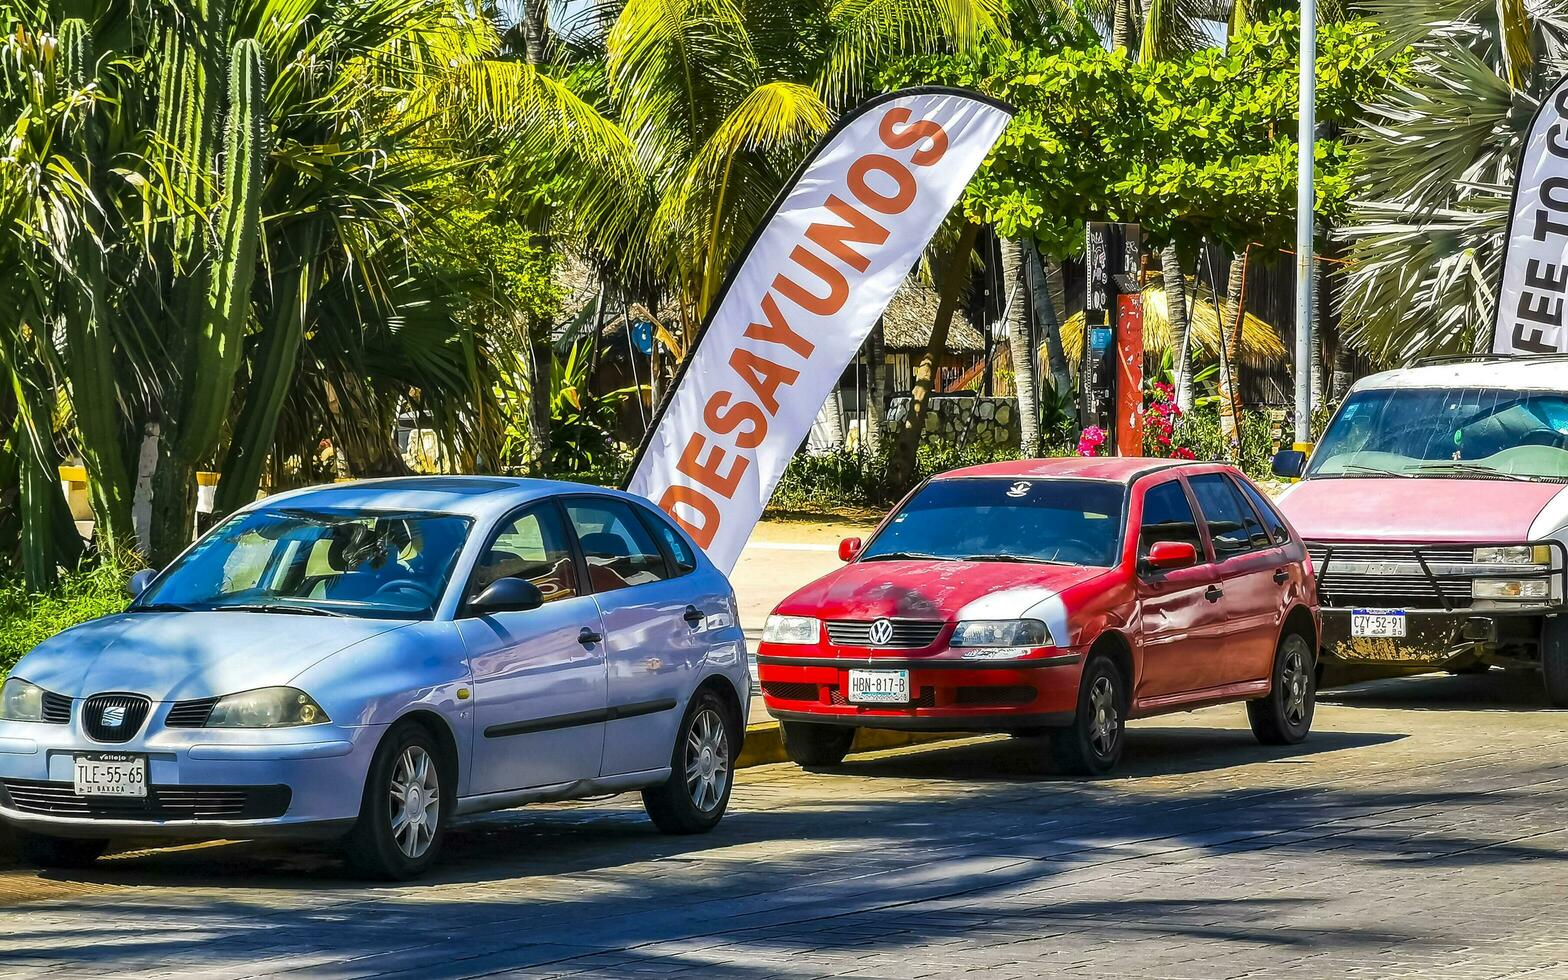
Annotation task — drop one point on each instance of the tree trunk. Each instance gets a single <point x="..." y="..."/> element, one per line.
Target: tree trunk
<point x="1181" y="322"/>
<point x="1020" y="344"/>
<point x="903" y="465"/>
<point x="535" y="25"/>
<point x="1047" y="299"/>
<point x="876" y="387"/>
<point x="832" y="415"/>
<point x="1124" y="25"/>
<point x="1230" y="387"/>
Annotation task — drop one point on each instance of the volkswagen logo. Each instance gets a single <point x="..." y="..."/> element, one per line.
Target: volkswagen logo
<point x="112" y="716"/>
<point x="881" y="632"/>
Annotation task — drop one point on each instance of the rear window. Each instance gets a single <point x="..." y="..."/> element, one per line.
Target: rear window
<point x="1070" y="522"/>
<point x="1233" y="527"/>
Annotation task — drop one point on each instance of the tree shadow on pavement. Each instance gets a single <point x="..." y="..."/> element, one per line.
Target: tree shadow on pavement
<point x="1495" y="690"/>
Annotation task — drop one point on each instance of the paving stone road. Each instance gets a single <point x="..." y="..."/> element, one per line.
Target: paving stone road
<point x="1420" y="833"/>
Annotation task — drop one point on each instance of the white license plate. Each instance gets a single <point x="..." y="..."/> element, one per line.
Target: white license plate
<point x="879" y="686"/>
<point x="1377" y="622"/>
<point x="111" y="774"/>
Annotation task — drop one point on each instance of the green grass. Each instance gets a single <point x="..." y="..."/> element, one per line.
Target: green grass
<point x="26" y="620"/>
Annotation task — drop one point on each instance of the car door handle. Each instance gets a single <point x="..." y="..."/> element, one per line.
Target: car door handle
<point x="1214" y="593"/>
<point x="588" y="637"/>
<point x="1281" y="576"/>
<point x="694" y="616"/>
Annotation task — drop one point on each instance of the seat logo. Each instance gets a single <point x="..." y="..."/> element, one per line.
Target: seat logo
<point x="112" y="716"/>
<point x="1019" y="489"/>
<point x="881" y="632"/>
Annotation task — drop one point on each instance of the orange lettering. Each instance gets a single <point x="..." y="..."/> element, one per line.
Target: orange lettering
<point x="838" y="286"/>
<point x="764" y="376"/>
<point x="706" y="471"/>
<point x="725" y="422"/>
<point x="924" y="129"/>
<point x="778" y="329"/>
<point x="895" y="203"/>
<point x="835" y="239"/>
<point x="698" y="501"/>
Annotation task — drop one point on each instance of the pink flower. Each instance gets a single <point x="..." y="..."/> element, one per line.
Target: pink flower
<point x="1182" y="452"/>
<point x="1090" y="442"/>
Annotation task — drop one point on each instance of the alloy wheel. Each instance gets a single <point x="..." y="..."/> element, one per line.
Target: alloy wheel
<point x="414" y="801"/>
<point x="707" y="759"/>
<point x="1294" y="679"/>
<point x="1103" y="727"/>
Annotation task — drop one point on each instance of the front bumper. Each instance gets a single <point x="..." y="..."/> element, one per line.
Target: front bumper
<point x="202" y="783"/>
<point x="1436" y="638"/>
<point x="947" y="693"/>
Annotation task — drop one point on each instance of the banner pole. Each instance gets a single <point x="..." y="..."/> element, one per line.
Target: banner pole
<point x="1306" y="138"/>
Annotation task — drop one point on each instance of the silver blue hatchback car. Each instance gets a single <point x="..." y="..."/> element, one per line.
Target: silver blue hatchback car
<point x="374" y="659"/>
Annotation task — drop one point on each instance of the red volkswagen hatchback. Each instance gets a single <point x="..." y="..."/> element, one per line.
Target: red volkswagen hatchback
<point x="1058" y="596"/>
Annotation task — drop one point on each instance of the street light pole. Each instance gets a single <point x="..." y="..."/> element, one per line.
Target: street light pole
<point x="1306" y="137"/>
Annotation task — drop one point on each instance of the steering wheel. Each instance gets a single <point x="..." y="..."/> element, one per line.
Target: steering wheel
<point x="408" y="586"/>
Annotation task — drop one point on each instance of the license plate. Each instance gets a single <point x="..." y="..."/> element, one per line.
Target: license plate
<point x="111" y="774"/>
<point x="1377" y="622"/>
<point x="879" y="686"/>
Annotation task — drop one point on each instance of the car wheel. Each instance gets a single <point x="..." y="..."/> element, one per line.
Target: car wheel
<point x="1554" y="660"/>
<point x="1284" y="717"/>
<point x="45" y="851"/>
<point x="1092" y="744"/>
<point x="813" y="746"/>
<point x="694" y="798"/>
<point x="406" y="807"/>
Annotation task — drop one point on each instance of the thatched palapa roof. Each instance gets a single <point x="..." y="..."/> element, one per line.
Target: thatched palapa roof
<point x="906" y="326"/>
<point x="1258" y="337"/>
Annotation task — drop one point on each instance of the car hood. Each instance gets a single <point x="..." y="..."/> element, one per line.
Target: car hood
<point x="1398" y="509"/>
<point x="934" y="590"/>
<point x="177" y="655"/>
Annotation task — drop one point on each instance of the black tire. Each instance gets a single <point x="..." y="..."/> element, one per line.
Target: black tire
<point x="410" y="765"/>
<point x="1554" y="660"/>
<point x="813" y="746"/>
<point x="1284" y="716"/>
<point x="1092" y="744"/>
<point x="702" y="769"/>
<point x="46" y="851"/>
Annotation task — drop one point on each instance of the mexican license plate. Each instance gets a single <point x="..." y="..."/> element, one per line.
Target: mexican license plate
<point x="1377" y="623"/>
<point x="111" y="774"/>
<point x="879" y="686"/>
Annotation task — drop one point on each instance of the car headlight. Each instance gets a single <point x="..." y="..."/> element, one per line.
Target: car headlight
<point x="797" y="630"/>
<point x="21" y="701"/>
<point x="1511" y="588"/>
<point x="1000" y="633"/>
<point x="1519" y="554"/>
<point x="267" y="707"/>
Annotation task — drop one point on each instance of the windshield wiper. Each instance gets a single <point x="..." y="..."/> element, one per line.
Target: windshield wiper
<point x="1030" y="559"/>
<point x="1476" y="469"/>
<point x="904" y="556"/>
<point x="284" y="608"/>
<point x="160" y="607"/>
<point x="1380" y="471"/>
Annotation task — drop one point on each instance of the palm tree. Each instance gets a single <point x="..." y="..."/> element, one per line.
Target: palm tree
<point x="1438" y="158"/>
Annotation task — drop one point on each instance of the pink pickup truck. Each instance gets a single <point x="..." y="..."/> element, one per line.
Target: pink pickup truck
<point x="1435" y="509"/>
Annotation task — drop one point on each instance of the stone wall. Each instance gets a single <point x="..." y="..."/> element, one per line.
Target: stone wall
<point x="964" y="420"/>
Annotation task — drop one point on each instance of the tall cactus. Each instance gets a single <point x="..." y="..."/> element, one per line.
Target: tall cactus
<point x="88" y="335"/>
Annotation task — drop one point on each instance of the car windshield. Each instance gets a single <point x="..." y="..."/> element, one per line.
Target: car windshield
<point x="317" y="562"/>
<point x="1490" y="433"/>
<point x="1070" y="522"/>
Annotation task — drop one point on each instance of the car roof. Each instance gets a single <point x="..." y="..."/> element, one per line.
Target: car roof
<point x="1120" y="469"/>
<point x="471" y="496"/>
<point x="1547" y="372"/>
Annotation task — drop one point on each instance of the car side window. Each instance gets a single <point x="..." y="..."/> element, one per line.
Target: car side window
<point x="620" y="551"/>
<point x="531" y="546"/>
<point x="1279" y="533"/>
<point x="679" y="550"/>
<point x="1167" y="516"/>
<point x="1231" y="522"/>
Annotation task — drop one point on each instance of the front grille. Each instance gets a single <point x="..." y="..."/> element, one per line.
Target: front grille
<point x="161" y="802"/>
<point x="908" y="634"/>
<point x="789" y="691"/>
<point x="925" y="697"/>
<point x="57" y="709"/>
<point x="114" y="717"/>
<point x="1392" y="576"/>
<point x="190" y="714"/>
<point x="993" y="695"/>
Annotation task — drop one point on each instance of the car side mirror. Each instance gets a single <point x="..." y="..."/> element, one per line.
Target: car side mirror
<point x="139" y="581"/>
<point x="1168" y="555"/>
<point x="849" y="549"/>
<point x="507" y="595"/>
<point x="1289" y="463"/>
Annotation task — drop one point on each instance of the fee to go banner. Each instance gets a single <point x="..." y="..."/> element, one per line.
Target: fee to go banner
<point x="1530" y="304"/>
<point x="807" y="289"/>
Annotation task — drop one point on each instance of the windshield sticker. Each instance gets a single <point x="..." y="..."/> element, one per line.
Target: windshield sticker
<point x="1019" y="489"/>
